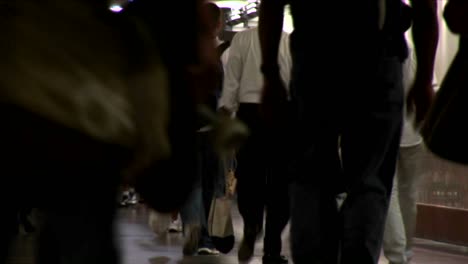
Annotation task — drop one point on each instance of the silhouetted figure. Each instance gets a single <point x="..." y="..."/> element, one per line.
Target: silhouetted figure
<point x="348" y="106"/>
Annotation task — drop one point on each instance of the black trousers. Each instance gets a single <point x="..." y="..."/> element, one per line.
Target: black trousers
<point x="263" y="179"/>
<point x="71" y="177"/>
<point x="365" y="122"/>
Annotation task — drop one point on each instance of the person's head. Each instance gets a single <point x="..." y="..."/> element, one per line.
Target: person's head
<point x="215" y="18"/>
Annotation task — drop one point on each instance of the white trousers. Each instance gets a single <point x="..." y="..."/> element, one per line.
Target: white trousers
<point x="401" y="219"/>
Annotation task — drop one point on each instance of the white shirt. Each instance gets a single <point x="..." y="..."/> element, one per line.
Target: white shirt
<point x="243" y="81"/>
<point x="410" y="136"/>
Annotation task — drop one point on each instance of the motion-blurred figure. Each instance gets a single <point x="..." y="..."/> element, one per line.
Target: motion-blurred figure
<point x="84" y="99"/>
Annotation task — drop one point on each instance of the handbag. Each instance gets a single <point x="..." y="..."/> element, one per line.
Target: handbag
<point x="445" y="131"/>
<point x="220" y="225"/>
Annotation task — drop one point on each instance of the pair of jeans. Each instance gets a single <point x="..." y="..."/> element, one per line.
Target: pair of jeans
<point x="347" y="133"/>
<point x="197" y="207"/>
<point x="401" y="219"/>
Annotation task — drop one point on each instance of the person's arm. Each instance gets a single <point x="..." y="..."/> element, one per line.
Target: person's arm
<point x="270" y="29"/>
<point x="229" y="100"/>
<point x="425" y="37"/>
<point x="285" y="61"/>
<point x="455" y="14"/>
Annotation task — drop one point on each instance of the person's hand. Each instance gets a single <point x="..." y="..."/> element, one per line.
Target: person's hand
<point x="420" y="99"/>
<point x="225" y="112"/>
<point x="274" y="100"/>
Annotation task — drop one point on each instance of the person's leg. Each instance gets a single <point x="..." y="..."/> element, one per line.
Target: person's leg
<point x="315" y="225"/>
<point x="277" y="216"/>
<point x="410" y="171"/>
<point x="251" y="169"/>
<point x="191" y="214"/>
<point x="370" y="143"/>
<point x="316" y="180"/>
<point x="277" y="196"/>
<point x="205" y="244"/>
<point x="251" y="180"/>
<point x="209" y="172"/>
<point x="394" y="240"/>
<point x="316" y="166"/>
<point x="195" y="212"/>
<point x="191" y="210"/>
<point x="365" y="208"/>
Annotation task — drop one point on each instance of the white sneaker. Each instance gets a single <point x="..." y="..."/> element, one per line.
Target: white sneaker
<point x="208" y="252"/>
<point x="124" y="198"/>
<point x="133" y="198"/>
<point x="175" y="226"/>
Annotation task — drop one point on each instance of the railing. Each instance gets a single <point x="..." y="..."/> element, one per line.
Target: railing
<point x="234" y="17"/>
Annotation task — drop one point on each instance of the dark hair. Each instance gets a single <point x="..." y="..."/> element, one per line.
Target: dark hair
<point x="214" y="14"/>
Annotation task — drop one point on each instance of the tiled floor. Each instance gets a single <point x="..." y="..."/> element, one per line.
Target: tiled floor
<point x="140" y="246"/>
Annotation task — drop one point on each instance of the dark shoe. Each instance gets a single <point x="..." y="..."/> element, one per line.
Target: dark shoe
<point x="274" y="259"/>
<point x="246" y="249"/>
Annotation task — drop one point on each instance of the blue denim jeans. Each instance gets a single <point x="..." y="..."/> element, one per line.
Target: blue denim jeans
<point x="209" y="184"/>
<point x="348" y="126"/>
